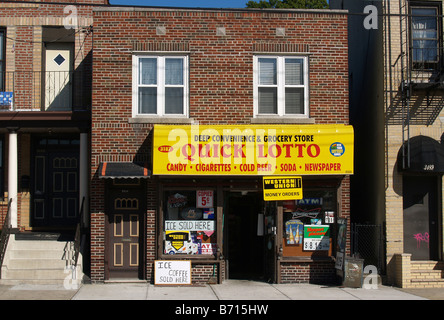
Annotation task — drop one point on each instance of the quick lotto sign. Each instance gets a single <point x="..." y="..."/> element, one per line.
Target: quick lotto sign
<point x="252" y="150"/>
<point x="282" y="188"/>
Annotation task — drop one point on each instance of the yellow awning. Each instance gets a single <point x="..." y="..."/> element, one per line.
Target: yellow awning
<point x="253" y="149"/>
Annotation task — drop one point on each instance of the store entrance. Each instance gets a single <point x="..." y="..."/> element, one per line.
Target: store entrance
<point x="421" y="218"/>
<point x="245" y="248"/>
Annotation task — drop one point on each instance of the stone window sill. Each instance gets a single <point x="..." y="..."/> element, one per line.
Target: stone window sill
<point x="160" y="120"/>
<point x="282" y="120"/>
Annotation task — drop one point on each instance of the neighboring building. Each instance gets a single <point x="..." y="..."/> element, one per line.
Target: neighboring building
<point x="45" y="116"/>
<point x="403" y="76"/>
<point x="191" y="108"/>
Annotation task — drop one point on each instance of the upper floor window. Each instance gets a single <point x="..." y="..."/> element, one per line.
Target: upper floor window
<point x="425" y="37"/>
<point x="281" y="86"/>
<point x="160" y="85"/>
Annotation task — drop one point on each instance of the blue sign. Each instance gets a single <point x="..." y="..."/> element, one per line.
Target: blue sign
<point x="337" y="149"/>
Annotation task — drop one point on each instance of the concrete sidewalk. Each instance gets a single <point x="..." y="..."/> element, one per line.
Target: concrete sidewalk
<point x="230" y="290"/>
<point x="238" y="290"/>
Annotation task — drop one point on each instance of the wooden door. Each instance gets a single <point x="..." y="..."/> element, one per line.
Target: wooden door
<point x="125" y="234"/>
<point x="58" y="73"/>
<point x="55" y="187"/>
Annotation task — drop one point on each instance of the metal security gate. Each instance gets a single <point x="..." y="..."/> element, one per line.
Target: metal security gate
<point x="367" y="242"/>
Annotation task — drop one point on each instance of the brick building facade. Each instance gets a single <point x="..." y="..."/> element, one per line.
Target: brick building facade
<point x="397" y="104"/>
<point x="414" y="170"/>
<point x="45" y="89"/>
<point x="158" y="72"/>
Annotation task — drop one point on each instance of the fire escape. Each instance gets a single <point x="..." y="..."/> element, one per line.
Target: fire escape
<point x="405" y="81"/>
<point x="414" y="85"/>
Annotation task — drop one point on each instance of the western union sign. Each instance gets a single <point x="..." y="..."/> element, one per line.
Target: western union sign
<point x="282" y="188"/>
<point x="253" y="150"/>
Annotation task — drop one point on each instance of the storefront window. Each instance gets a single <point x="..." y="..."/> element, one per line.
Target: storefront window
<point x="190" y="222"/>
<point x="309" y="224"/>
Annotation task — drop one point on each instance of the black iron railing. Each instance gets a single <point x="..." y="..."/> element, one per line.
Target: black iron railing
<point x="78" y="235"/>
<point x="426" y="64"/>
<point x="45" y="91"/>
<point x="4" y="236"/>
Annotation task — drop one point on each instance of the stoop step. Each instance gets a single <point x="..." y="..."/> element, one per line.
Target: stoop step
<point x="37" y="259"/>
<point x="427" y="274"/>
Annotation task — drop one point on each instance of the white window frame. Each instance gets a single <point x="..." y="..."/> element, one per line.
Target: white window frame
<point x="160" y="86"/>
<point x="280" y="86"/>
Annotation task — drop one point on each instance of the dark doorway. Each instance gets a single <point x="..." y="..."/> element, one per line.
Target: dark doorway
<point x="421" y="206"/>
<point x="245" y="251"/>
<point x="55" y="182"/>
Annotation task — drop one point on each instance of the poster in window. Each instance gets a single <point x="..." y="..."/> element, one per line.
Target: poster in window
<point x="294" y="230"/>
<point x="204" y="198"/>
<point x="189" y="242"/>
<point x="190" y="237"/>
<point x="316" y="237"/>
<point x="180" y="242"/>
<point x="208" y="213"/>
<point x="191" y="213"/>
<point x="174" y="204"/>
<point x="177" y="200"/>
<point x="342" y="235"/>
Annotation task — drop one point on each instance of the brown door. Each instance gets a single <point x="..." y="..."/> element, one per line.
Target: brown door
<point x="125" y="221"/>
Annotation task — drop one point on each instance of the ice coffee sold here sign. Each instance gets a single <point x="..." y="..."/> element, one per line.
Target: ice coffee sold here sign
<point x="172" y="272"/>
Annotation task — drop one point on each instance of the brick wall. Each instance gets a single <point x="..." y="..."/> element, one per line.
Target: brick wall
<point x="24" y="22"/>
<point x="220" y="81"/>
<point x="225" y="94"/>
<point x="308" y="272"/>
<point x="203" y="273"/>
<point x="425" y="119"/>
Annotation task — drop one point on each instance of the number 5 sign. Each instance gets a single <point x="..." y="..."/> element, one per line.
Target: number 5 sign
<point x="204" y="198"/>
